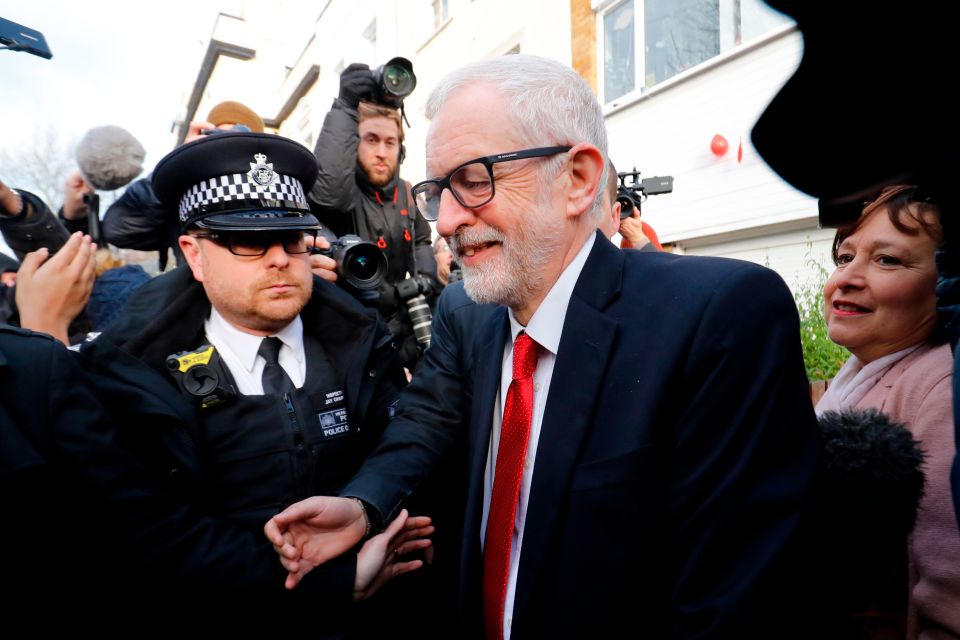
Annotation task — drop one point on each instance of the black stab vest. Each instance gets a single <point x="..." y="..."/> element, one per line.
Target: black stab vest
<point x="266" y="452"/>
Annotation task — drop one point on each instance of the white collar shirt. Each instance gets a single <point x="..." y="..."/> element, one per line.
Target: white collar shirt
<point x="238" y="350"/>
<point x="545" y="328"/>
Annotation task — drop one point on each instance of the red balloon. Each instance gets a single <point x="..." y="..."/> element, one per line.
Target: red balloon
<point x="719" y="145"/>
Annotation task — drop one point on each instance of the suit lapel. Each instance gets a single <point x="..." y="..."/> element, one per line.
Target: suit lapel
<point x="486" y="385"/>
<point x="586" y="344"/>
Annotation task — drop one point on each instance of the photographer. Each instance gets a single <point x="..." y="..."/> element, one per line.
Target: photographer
<point x="635" y="234"/>
<point x="359" y="191"/>
<point x="56" y="276"/>
<point x="444" y="258"/>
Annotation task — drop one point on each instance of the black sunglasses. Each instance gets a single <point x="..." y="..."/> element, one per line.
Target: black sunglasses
<point x="251" y="244"/>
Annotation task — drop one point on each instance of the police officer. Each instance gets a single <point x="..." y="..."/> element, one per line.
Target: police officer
<point x="243" y="382"/>
<point x="359" y="191"/>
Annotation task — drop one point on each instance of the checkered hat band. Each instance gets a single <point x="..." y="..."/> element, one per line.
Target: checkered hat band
<point x="240" y="186"/>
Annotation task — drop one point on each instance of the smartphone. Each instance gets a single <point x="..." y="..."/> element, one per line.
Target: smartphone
<point x="20" y="38"/>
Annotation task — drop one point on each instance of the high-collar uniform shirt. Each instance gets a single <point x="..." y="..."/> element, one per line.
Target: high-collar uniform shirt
<point x="238" y="350"/>
<point x="545" y="328"/>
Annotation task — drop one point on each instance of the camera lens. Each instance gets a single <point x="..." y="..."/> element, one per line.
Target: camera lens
<point x="363" y="267"/>
<point x="397" y="80"/>
<point x="361" y="264"/>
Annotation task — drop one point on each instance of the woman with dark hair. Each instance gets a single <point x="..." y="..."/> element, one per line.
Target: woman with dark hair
<point x="880" y="303"/>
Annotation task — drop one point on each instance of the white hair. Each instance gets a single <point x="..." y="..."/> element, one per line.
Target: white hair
<point x="548" y="104"/>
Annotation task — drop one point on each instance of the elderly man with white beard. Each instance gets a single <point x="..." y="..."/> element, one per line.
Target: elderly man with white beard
<point x="640" y="442"/>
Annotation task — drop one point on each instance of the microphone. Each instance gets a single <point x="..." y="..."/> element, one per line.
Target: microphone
<point x="109" y="157"/>
<point x="872" y="467"/>
<point x="869" y="484"/>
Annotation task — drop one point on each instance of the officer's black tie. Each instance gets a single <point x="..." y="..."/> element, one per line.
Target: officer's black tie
<point x="275" y="379"/>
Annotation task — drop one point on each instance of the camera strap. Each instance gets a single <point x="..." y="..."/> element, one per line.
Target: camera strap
<point x="407" y="220"/>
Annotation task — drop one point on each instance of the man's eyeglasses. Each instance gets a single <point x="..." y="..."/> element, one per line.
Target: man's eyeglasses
<point x="256" y="243"/>
<point x="472" y="182"/>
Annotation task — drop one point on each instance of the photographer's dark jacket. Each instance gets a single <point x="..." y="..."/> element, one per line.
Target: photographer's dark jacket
<point x="138" y="220"/>
<point x="345" y="201"/>
<point x="245" y="460"/>
<point x="34" y="227"/>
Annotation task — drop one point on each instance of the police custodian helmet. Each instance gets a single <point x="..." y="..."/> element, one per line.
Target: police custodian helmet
<point x="239" y="181"/>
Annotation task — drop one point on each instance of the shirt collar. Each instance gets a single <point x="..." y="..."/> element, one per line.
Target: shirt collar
<point x="546" y="325"/>
<point x="245" y="345"/>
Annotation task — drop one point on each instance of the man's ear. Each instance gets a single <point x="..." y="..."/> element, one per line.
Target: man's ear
<point x="190" y="247"/>
<point x="586" y="165"/>
<point x="611" y="220"/>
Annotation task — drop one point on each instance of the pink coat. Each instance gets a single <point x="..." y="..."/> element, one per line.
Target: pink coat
<point x="917" y="392"/>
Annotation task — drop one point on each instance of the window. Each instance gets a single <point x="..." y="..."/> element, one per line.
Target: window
<point x="370" y="33"/>
<point x="645" y="42"/>
<point x="439" y="13"/>
<point x="618" y="52"/>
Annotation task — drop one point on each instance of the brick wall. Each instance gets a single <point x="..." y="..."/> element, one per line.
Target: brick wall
<point x="583" y="30"/>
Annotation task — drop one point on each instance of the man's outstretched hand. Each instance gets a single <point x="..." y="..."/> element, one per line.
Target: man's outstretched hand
<point x="310" y="532"/>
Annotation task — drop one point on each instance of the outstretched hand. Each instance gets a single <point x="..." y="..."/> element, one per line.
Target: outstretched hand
<point x="310" y="532"/>
<point x="379" y="559"/>
<point x="52" y="291"/>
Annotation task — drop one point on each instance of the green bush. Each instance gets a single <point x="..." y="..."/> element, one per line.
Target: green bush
<point x="822" y="357"/>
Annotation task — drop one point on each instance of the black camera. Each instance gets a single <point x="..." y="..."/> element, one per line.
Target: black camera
<point x="360" y="263"/>
<point x="395" y="81"/>
<point x="413" y="291"/>
<point x="632" y="194"/>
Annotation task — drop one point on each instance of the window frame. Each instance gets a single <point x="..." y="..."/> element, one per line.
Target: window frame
<point x="602" y="8"/>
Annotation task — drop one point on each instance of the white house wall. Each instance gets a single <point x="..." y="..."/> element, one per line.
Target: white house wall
<point x="669" y="132"/>
<point x="792" y="254"/>
<point x="716" y="200"/>
<point x="475" y="30"/>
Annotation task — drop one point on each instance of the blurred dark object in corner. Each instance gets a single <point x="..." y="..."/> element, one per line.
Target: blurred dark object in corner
<point x="869" y="105"/>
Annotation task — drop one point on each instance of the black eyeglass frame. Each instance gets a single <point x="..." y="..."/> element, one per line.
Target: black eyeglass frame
<point x="486" y="161"/>
<point x="226" y="239"/>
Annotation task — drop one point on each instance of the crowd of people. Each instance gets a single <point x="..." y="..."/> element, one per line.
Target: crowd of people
<point x="596" y="435"/>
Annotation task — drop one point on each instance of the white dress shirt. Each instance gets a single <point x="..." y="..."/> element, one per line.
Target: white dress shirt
<point x="545" y="328"/>
<point x="238" y="350"/>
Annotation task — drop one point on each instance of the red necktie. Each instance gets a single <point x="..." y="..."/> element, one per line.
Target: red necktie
<point x="514" y="434"/>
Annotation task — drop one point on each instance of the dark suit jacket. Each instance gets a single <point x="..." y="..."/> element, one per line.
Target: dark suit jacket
<point x="676" y="457"/>
<point x="430" y="423"/>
